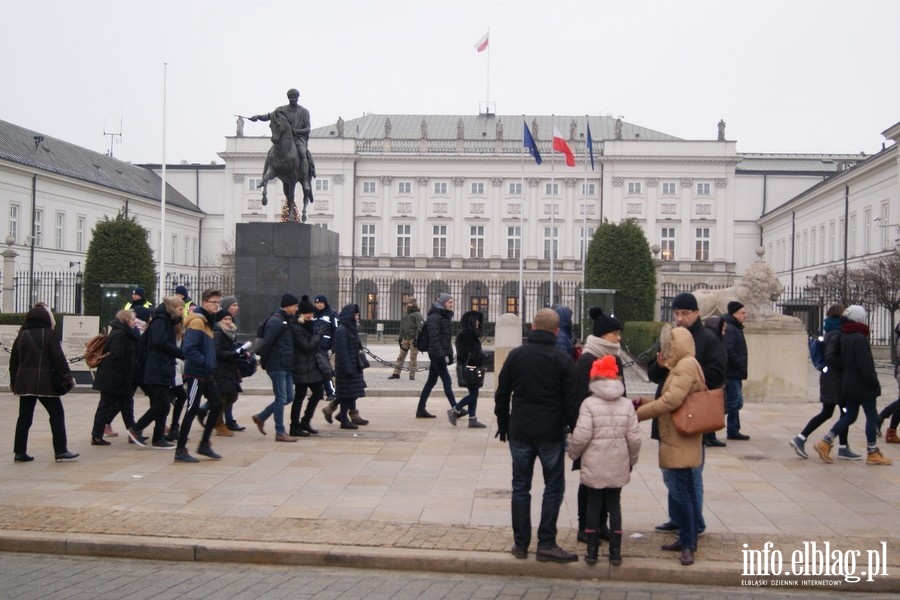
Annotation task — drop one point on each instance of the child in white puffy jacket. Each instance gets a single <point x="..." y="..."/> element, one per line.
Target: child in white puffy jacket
<point x="608" y="440"/>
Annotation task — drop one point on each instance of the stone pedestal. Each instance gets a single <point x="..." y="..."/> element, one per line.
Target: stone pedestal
<point x="507" y="335"/>
<point x="777" y="360"/>
<point x="274" y="258"/>
<point x="76" y="331"/>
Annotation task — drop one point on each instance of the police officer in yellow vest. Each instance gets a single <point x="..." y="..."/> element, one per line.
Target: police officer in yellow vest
<point x="143" y="308"/>
<point x="189" y="304"/>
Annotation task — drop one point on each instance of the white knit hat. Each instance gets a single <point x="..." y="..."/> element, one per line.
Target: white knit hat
<point x="855" y="312"/>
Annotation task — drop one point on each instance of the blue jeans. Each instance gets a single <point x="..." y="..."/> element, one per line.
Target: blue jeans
<point x="552" y="463"/>
<point x="683" y="496"/>
<point x="697" y="473"/>
<point x="437" y="368"/>
<point x="283" y="386"/>
<point x="849" y="417"/>
<point x="471" y="400"/>
<point x="734" y="402"/>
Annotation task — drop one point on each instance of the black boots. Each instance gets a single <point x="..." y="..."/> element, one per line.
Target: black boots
<point x="615" y="548"/>
<point x="593" y="547"/>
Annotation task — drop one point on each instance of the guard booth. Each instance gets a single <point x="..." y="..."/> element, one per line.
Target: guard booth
<point x="605" y="299"/>
<point x="113" y="298"/>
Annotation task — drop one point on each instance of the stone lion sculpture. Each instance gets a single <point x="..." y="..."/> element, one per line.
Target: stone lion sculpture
<point x="757" y="290"/>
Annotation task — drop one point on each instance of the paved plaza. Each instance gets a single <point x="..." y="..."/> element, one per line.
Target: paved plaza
<point x="416" y="494"/>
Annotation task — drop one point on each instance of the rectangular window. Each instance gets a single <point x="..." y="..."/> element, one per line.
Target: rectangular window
<point x="439" y="241"/>
<point x="513" y="241"/>
<point x="668" y="188"/>
<point x="514" y="189"/>
<point x="479" y="303"/>
<point x="404" y="240"/>
<point x="831" y="241"/>
<point x="851" y="237"/>
<point x="173" y="248"/>
<point x="821" y="243"/>
<point x="886" y="229"/>
<point x="867" y="235"/>
<point x="367" y="238"/>
<point x="588" y="189"/>
<point x="13" y="230"/>
<point x="368" y="187"/>
<point x="476" y="241"/>
<point x="512" y="304"/>
<point x="253" y="183"/>
<point x="79" y="233"/>
<point x="703" y="188"/>
<point x="323" y="184"/>
<point x="667" y="243"/>
<point x="812" y="246"/>
<point x="634" y="188"/>
<point x="38" y="231"/>
<point x="477" y="188"/>
<point x="60" y="231"/>
<point x="551" y="242"/>
<point x="196" y="252"/>
<point x="440" y="187"/>
<point x="803" y="255"/>
<point x="187" y="250"/>
<point x="551" y="189"/>
<point x="701" y="247"/>
<point x="587" y="234"/>
<point x="404" y="187"/>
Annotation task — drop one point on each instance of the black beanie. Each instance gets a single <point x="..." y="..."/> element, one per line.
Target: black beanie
<point x="685" y="301"/>
<point x="734" y="306"/>
<point x="603" y="324"/>
<point x="306" y="306"/>
<point x="289" y="300"/>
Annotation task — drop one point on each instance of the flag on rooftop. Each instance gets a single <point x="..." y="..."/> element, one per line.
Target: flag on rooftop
<point x="560" y="145"/>
<point x="482" y="44"/>
<point x="532" y="147"/>
<point x="590" y="144"/>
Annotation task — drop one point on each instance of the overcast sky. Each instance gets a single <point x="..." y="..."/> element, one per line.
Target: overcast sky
<point x="786" y="76"/>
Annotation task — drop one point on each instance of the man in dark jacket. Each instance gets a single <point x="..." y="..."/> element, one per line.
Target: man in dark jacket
<point x="440" y="352"/>
<point x="143" y="308"/>
<point x="736" y="368"/>
<point x="199" y="349"/>
<point x="534" y="404"/>
<point x="277" y="357"/>
<point x="326" y="323"/>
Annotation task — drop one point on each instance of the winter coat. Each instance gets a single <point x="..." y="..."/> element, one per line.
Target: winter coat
<point x="565" y="339"/>
<point x="675" y="450"/>
<point x="198" y="346"/>
<point x="35" y="349"/>
<point x="329" y="318"/>
<point x="410" y="323"/>
<point x="859" y="381"/>
<point x="115" y="375"/>
<point x="277" y="350"/>
<point x="735" y="349"/>
<point x="830" y="379"/>
<point x="607" y="436"/>
<point x="468" y="340"/>
<point x="226" y="375"/>
<point x="534" y="400"/>
<point x="159" y="350"/>
<point x="306" y="346"/>
<point x="349" y="380"/>
<point x="439" y="336"/>
<point x="594" y="348"/>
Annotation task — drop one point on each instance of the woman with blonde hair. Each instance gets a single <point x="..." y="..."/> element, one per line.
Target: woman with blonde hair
<point x="678" y="453"/>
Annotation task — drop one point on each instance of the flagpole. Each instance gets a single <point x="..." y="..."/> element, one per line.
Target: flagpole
<point x="587" y="141"/>
<point x="487" y="109"/>
<point x="552" y="211"/>
<point x="522" y="235"/>
<point x="160" y="293"/>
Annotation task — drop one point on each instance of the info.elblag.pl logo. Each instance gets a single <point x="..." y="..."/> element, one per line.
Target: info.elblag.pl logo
<point x="815" y="559"/>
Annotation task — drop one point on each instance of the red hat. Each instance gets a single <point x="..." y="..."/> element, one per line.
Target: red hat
<point x="605" y="368"/>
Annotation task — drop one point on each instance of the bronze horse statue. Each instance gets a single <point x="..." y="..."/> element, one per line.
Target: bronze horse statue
<point x="283" y="162"/>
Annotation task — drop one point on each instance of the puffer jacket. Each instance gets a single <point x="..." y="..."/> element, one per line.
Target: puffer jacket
<point x="468" y="340"/>
<point x="830" y="379"/>
<point x="859" y="380"/>
<point x="277" y="350"/>
<point x="115" y="375"/>
<point x="685" y="377"/>
<point x="349" y="380"/>
<point x="198" y="346"/>
<point x="607" y="436"/>
<point x="226" y="375"/>
<point x="306" y="346"/>
<point x="35" y="349"/>
<point x="439" y="338"/>
<point x="159" y="349"/>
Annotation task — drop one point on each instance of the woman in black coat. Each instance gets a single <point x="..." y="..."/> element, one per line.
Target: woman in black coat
<point x="348" y="370"/>
<point x="307" y="337"/>
<point x="228" y="379"/>
<point x="36" y="354"/>
<point x="468" y="353"/>
<point x="115" y="376"/>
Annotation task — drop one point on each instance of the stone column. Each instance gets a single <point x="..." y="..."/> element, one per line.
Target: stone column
<point x="507" y="335"/>
<point x="9" y="274"/>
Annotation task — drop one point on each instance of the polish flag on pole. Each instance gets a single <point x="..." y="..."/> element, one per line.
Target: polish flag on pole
<point x="560" y="145"/>
<point x="482" y="44"/>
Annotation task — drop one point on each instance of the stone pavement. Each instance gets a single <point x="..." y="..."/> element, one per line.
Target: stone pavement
<point x="417" y="494"/>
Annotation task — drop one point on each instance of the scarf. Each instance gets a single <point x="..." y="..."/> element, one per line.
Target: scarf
<point x="598" y="347"/>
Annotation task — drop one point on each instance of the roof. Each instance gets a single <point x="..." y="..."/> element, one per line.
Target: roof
<point x="813" y="164"/>
<point x="478" y="127"/>
<point x="19" y="145"/>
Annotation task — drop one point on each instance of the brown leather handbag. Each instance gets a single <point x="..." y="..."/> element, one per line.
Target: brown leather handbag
<point x="701" y="412"/>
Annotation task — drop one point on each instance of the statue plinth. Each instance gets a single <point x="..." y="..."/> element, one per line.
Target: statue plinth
<point x="777" y="360"/>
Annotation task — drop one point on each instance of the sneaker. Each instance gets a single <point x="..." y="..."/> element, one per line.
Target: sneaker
<point x="73" y="455"/>
<point x="823" y="448"/>
<point x="207" y="451"/>
<point x="95" y="441"/>
<point x="667" y="526"/>
<point x="108" y="431"/>
<point x="135" y="437"/>
<point x="848" y="454"/>
<point x="875" y="457"/>
<point x="476" y="424"/>
<point x="20" y="458"/>
<point x="163" y="444"/>
<point x="798" y="445"/>
<point x="453" y="415"/>
<point x="393" y="376"/>
<point x="181" y="455"/>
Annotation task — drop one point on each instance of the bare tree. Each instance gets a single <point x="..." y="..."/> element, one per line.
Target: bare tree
<point x="223" y="271"/>
<point x="882" y="282"/>
<point x="833" y="286"/>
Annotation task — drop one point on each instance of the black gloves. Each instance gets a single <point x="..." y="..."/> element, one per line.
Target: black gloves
<point x="449" y="360"/>
<point x="501" y="434"/>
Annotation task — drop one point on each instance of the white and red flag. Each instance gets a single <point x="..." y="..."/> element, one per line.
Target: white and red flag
<point x="482" y="44"/>
<point x="560" y="145"/>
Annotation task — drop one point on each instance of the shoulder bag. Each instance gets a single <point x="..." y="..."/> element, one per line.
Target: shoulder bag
<point x="701" y="412"/>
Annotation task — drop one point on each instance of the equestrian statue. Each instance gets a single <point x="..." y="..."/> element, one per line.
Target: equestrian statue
<point x="289" y="159"/>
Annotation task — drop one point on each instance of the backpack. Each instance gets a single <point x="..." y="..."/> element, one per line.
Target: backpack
<point x="817" y="352"/>
<point x="422" y="340"/>
<point x="93" y="350"/>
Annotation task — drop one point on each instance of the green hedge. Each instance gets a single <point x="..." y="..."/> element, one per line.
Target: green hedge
<point x="19" y="320"/>
<point x="639" y="336"/>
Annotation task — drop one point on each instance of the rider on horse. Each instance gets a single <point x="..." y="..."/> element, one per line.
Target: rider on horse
<point x="298" y="117"/>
